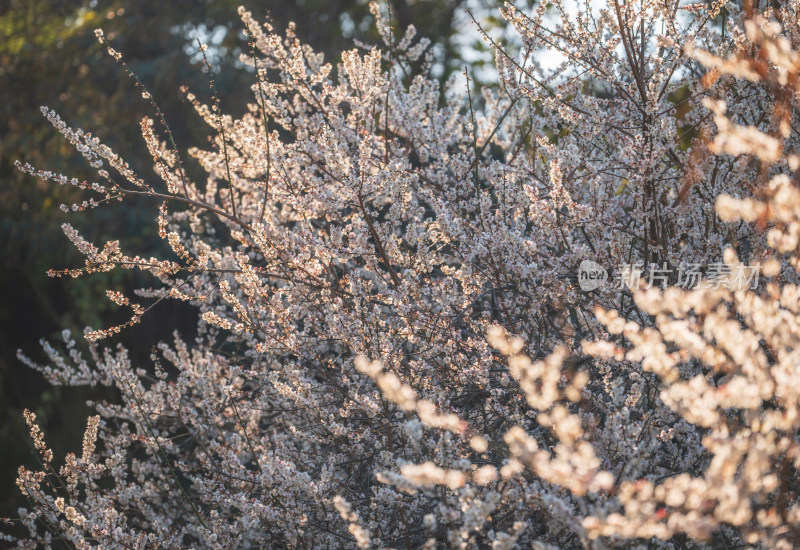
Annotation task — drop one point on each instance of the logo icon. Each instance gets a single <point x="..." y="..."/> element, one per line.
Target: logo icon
<point x="591" y="275"/>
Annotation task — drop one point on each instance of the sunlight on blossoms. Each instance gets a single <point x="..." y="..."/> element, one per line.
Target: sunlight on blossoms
<point x="560" y="310"/>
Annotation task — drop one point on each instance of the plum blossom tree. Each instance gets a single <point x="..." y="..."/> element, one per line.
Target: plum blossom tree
<point x="394" y="350"/>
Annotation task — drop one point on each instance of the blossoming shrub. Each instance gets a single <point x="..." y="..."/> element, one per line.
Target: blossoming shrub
<point x="393" y="349"/>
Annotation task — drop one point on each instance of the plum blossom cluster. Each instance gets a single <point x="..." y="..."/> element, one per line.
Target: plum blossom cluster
<point x="394" y="351"/>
